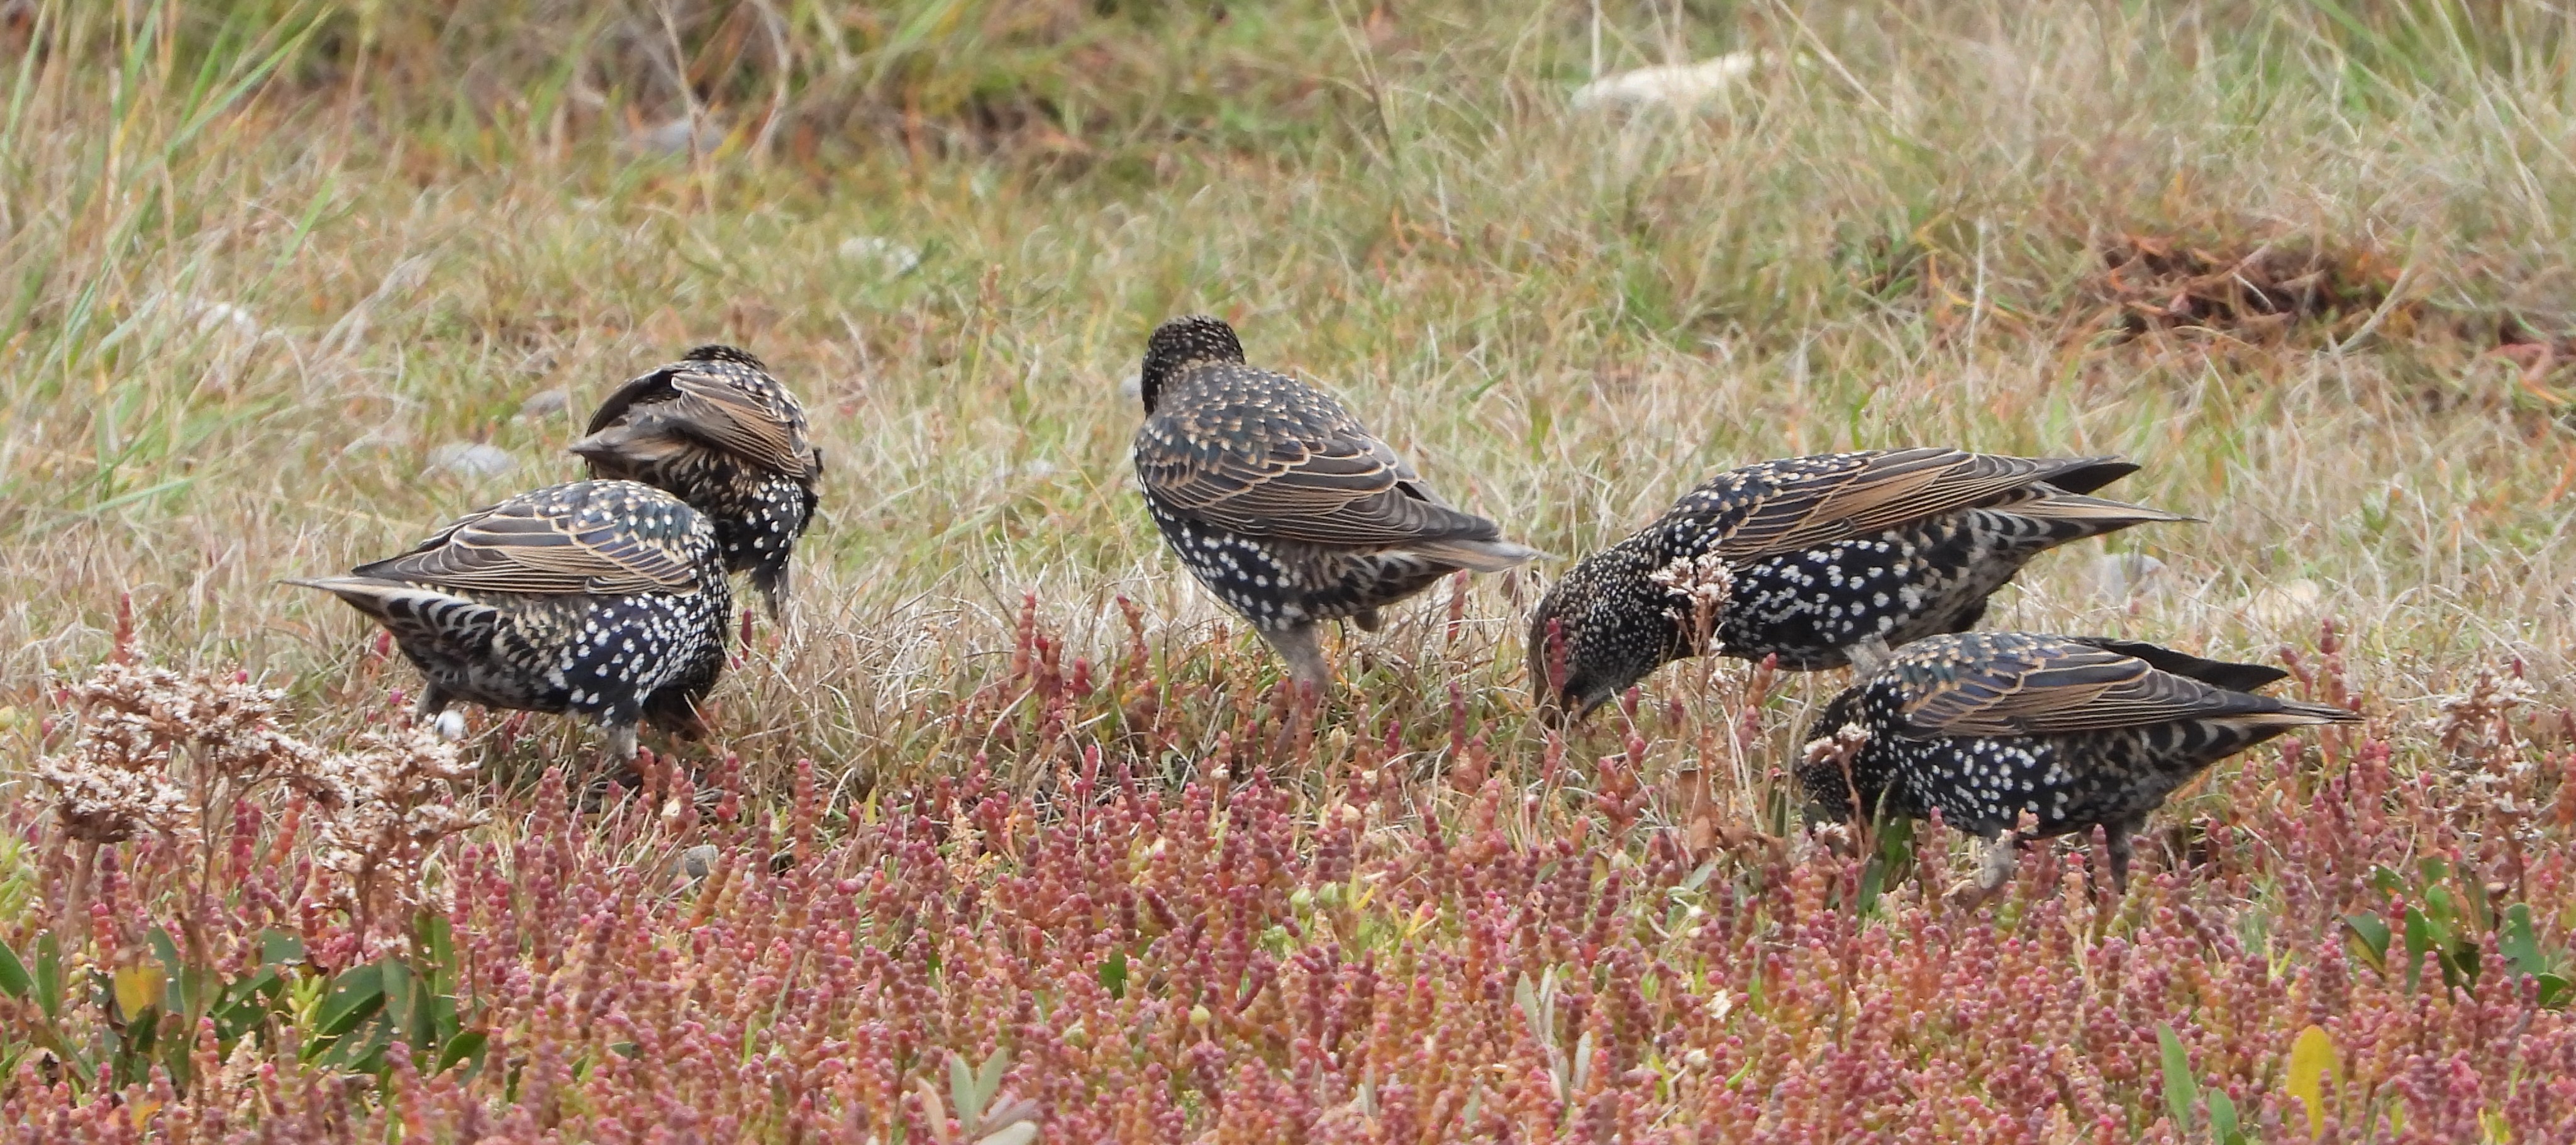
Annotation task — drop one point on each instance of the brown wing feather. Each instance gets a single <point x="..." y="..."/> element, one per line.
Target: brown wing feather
<point x="531" y="544"/>
<point x="717" y="410"/>
<point x="2065" y="686"/>
<point x="1292" y="466"/>
<point x="1879" y="491"/>
<point x="740" y="423"/>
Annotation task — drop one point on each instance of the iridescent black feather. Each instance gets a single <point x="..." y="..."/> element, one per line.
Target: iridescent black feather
<point x="2077" y="732"/>
<point x="605" y="600"/>
<point x="718" y="431"/>
<point x="1821" y="556"/>
<point x="1282" y="503"/>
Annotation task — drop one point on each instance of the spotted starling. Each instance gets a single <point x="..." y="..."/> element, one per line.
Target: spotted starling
<point x="1282" y="504"/>
<point x="2075" y="731"/>
<point x="1814" y="560"/>
<point x="600" y="599"/>
<point x="717" y="431"/>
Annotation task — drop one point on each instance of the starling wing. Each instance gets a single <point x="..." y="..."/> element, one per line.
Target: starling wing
<point x="2057" y="686"/>
<point x="1298" y="467"/>
<point x="1839" y="497"/>
<point x="620" y="539"/>
<point x="687" y="403"/>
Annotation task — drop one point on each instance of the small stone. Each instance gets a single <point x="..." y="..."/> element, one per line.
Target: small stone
<point x="1675" y="85"/>
<point x="450" y="725"/>
<point x="472" y="459"/>
<point x="2286" y="604"/>
<point x="544" y="403"/>
<point x="697" y="862"/>
<point x="234" y="320"/>
<point x="2118" y="577"/>
<point x="680" y="135"/>
<point x="892" y="259"/>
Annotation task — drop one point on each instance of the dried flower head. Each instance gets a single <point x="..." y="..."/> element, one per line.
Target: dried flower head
<point x="1700" y="587"/>
<point x="2480" y="723"/>
<point x="385" y="804"/>
<point x="153" y="744"/>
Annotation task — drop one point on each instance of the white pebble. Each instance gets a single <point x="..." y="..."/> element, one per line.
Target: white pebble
<point x="472" y="459"/>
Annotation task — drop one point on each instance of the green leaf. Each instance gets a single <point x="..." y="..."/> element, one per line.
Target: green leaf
<point x="2370" y="932"/>
<point x="988" y="1079"/>
<point x="354" y="995"/>
<point x="438" y="945"/>
<point x="2419" y="938"/>
<point x="2520" y="947"/>
<point x="2222" y="1119"/>
<point x="1113" y="974"/>
<point x="2181" y="1092"/>
<point x="49" y="974"/>
<point x="361" y="1054"/>
<point x="278" y="948"/>
<point x="1015" y="1133"/>
<point x="961" y="1091"/>
<point x="402" y="989"/>
<point x="14" y="980"/>
<point x="2553" y="990"/>
<point x="465" y="1045"/>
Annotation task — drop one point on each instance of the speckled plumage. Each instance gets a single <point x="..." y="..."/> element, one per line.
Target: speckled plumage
<point x="1281" y="503"/>
<point x="2076" y="731"/>
<point x="1824" y="554"/>
<point x="718" y="431"/>
<point x="605" y="600"/>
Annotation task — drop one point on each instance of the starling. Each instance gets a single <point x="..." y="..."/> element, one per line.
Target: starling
<point x="1814" y="560"/>
<point x="2072" y="731"/>
<point x="717" y="431"/>
<point x="600" y="599"/>
<point x="1282" y="504"/>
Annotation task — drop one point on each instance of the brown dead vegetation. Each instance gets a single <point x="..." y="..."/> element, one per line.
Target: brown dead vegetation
<point x="2150" y="284"/>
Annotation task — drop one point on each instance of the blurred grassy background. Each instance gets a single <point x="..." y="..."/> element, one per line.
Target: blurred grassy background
<point x="268" y="270"/>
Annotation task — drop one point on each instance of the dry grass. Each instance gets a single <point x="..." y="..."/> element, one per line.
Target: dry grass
<point x="259" y="273"/>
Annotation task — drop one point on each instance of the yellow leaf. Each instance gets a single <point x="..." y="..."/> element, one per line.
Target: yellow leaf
<point x="142" y="1110"/>
<point x="2312" y="1070"/>
<point x="136" y="988"/>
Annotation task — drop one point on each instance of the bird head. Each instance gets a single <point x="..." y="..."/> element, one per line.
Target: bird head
<point x="1599" y="630"/>
<point x="1829" y="767"/>
<point x="1181" y="343"/>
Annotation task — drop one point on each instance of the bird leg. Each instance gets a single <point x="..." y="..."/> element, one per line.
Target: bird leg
<point x="621" y="743"/>
<point x="1305" y="657"/>
<point x="433" y="700"/>
<point x="2119" y="836"/>
<point x="1996" y="858"/>
<point x="1867" y="656"/>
